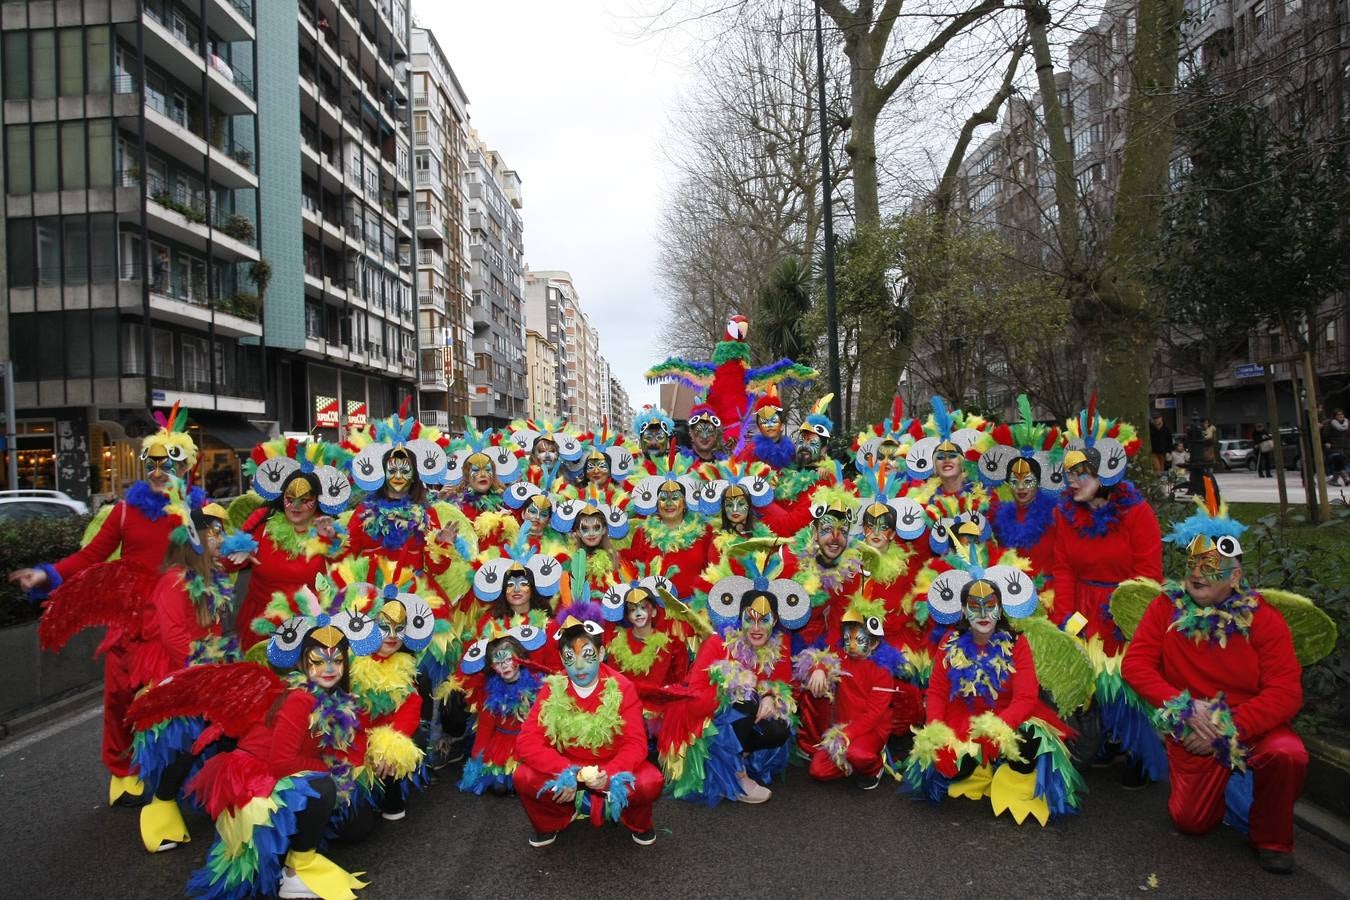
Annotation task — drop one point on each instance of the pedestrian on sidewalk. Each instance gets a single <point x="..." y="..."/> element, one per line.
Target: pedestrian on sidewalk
<point x="1336" y="443"/>
<point x="1265" y="452"/>
<point x="1159" y="442"/>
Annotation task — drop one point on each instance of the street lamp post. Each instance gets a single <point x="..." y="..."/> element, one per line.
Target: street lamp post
<point x="831" y="323"/>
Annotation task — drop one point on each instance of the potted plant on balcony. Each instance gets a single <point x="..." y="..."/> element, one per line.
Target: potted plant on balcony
<point x="243" y="156"/>
<point x="239" y="227"/>
<point x="244" y="304"/>
<point x="260" y="273"/>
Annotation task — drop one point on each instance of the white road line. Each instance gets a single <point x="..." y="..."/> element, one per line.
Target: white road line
<point x="55" y="728"/>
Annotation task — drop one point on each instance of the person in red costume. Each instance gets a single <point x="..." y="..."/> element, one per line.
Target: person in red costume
<point x="671" y="526"/>
<point x="502" y="687"/>
<point x="1218" y="660"/>
<point x="1105" y="533"/>
<point x="136" y="531"/>
<point x="790" y="509"/>
<point x="862" y="686"/>
<point x="644" y="648"/>
<point x="1025" y="466"/>
<point x="583" y="748"/>
<point x="294" y="535"/>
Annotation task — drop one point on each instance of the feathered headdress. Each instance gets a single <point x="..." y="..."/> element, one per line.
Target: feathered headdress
<point x="870" y="445"/>
<point x="1015" y="589"/>
<point x="818" y="420"/>
<point x="753" y="478"/>
<point x="879" y="486"/>
<point x="526" y="432"/>
<point x="946" y="430"/>
<point x="475" y="657"/>
<point x="503" y="457"/>
<point x="1038" y="447"/>
<point x="577" y="608"/>
<point x="193" y="512"/>
<point x="384" y="588"/>
<point x="639" y="581"/>
<point x="540" y="485"/>
<point x="544" y="570"/>
<point x="1104" y="444"/>
<point x="423" y="444"/>
<point x="784" y="598"/>
<point x="274" y="463"/>
<point x="567" y="510"/>
<point x="172" y="440"/>
<point x="328" y="614"/>
<point x="610" y="448"/>
<point x="1209" y="527"/>
<point x="674" y="469"/>
<point x="653" y="415"/>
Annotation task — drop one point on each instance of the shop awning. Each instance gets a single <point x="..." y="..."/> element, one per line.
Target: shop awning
<point x="234" y="431"/>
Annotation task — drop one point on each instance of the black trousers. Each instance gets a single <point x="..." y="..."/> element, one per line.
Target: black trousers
<point x="311" y="821"/>
<point x="754" y="735"/>
<point x="176" y="773"/>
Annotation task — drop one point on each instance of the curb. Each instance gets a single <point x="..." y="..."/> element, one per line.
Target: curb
<point x="50" y="712"/>
<point x="1326" y="825"/>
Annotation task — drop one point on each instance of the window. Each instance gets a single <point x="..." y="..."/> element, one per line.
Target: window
<point x="98" y="59"/>
<point x="102" y="248"/>
<point x="48" y="250"/>
<point x="72" y="155"/>
<point x="100" y="153"/>
<point x="16" y="65"/>
<point x="161" y="359"/>
<point x="46" y="177"/>
<point x="1259" y="16"/>
<point x="76" y="243"/>
<point x="105" y="348"/>
<point x="44" y="64"/>
<point x="18" y="159"/>
<point x="71" y="42"/>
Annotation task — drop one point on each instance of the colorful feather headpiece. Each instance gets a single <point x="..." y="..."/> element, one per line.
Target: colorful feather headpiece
<point x="673" y="470"/>
<point x="653" y="415"/>
<point x="1209" y="528"/>
<point x="172" y="440"/>
<point x="275" y="463"/>
<point x="946" y="430"/>
<point x="1024" y="448"/>
<point x="424" y="445"/>
<point x="485" y="446"/>
<point x="638" y="582"/>
<point x="611" y="449"/>
<point x="752" y="478"/>
<point x="328" y="614"/>
<point x="879" y="487"/>
<point x="545" y="571"/>
<point x="525" y="433"/>
<point x="759" y="586"/>
<point x="193" y="511"/>
<point x="1104" y="444"/>
<point x="970" y="566"/>
<point x="385" y="588"/>
<point x="566" y="511"/>
<point x="818" y="421"/>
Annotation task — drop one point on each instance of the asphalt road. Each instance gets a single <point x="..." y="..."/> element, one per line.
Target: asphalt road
<point x="811" y="840"/>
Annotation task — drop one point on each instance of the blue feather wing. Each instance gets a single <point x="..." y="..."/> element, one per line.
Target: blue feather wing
<point x="784" y="373"/>
<point x="697" y="375"/>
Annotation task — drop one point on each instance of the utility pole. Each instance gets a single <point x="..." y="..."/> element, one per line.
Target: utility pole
<point x="831" y="322"/>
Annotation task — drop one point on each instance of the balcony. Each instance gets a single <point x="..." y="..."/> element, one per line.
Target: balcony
<point x="183" y="301"/>
<point x="175" y="48"/>
<point x="231" y="20"/>
<point x="433" y="299"/>
<point x="232" y="90"/>
<point x="433" y="337"/>
<point x="430" y="225"/>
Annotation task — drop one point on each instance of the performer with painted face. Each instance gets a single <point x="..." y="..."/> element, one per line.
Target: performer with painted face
<point x="482" y="466"/>
<point x="868" y="701"/>
<point x="1220" y="662"/>
<point x="300" y="749"/>
<point x="705" y="436"/>
<point x="583" y="748"/>
<point x="520" y="587"/>
<point x="597" y="527"/>
<point x="671" y="526"/>
<point x="825" y="560"/>
<point x="502" y="690"/>
<point x="887" y="526"/>
<point x="769" y="443"/>
<point x="532" y="499"/>
<point x="731" y="737"/>
<point x="1026" y="466"/>
<point x="732" y="497"/>
<point x="136" y="530"/>
<point x="790" y="510"/>
<point x="549" y="445"/>
<point x="1106" y="534"/>
<point x="656" y="435"/>
<point x="988" y="732"/>
<point x="942" y="463"/>
<point x="608" y="464"/>
<point x="294" y="534"/>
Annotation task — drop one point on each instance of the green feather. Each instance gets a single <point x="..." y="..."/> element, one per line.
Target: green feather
<point x="1313" y="630"/>
<point x="1062" y="664"/>
<point x="241" y="508"/>
<point x="1129" y="602"/>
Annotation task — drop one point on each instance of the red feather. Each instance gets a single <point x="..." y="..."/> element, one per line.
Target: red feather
<point x="1051" y="438"/>
<point x="1003" y="434"/>
<point x="233" y="696"/>
<point x="256" y="518"/>
<point x="109" y="593"/>
<point x="1092" y="411"/>
<point x="259" y="454"/>
<point x="405" y="406"/>
<point x="916" y="430"/>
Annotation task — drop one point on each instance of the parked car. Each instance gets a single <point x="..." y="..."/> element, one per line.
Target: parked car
<point x="1291" y="446"/>
<point x="17" y="506"/>
<point x="1237" y="454"/>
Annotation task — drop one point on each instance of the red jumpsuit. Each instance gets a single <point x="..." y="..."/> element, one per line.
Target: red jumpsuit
<point x="143" y="541"/>
<point x="1018" y="700"/>
<point x="541" y="761"/>
<point x="1088" y="568"/>
<point x="862" y="711"/>
<point x="669" y="667"/>
<point x="1008" y="518"/>
<point x="173" y="628"/>
<point x="1260" y="678"/>
<point x="276" y="571"/>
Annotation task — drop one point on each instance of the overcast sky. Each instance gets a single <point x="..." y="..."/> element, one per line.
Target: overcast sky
<point x="579" y="111"/>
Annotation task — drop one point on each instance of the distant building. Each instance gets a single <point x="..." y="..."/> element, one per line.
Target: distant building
<point x="541" y="379"/>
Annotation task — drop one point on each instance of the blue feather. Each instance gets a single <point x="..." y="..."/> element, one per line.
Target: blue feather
<point x="942" y="418"/>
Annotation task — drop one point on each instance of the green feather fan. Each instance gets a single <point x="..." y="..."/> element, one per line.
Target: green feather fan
<point x="1313" y="630"/>
<point x="1130" y="601"/>
<point x="1062" y="664"/>
<point x="241" y="508"/>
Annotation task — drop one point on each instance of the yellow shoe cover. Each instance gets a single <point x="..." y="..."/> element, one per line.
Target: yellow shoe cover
<point x="124" y="784"/>
<point x="973" y="787"/>
<point x="1016" y="792"/>
<point x="323" y="876"/>
<point x="161" y="821"/>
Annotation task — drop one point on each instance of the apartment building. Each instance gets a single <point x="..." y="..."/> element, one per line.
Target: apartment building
<point x="497" y="306"/>
<point x="553" y="308"/>
<point x="130" y="247"/>
<point x="444" y="274"/>
<point x="541" y="356"/>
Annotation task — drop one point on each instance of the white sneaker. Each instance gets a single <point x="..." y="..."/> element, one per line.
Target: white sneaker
<point x="752" y="791"/>
<point x="292" y="887"/>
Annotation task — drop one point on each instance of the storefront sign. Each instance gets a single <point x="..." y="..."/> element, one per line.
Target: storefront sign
<point x="325" y="411"/>
<point x="357" y="414"/>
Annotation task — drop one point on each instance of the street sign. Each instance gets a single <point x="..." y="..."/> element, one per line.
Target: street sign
<point x="157" y="396"/>
<point x="1250" y="370"/>
<point x="1165" y="403"/>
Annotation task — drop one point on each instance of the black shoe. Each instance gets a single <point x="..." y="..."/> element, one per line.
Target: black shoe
<point x="1134" y="778"/>
<point x="645" y="838"/>
<point x="1275" y="862"/>
<point x="499" y="790"/>
<point x="543" y="838"/>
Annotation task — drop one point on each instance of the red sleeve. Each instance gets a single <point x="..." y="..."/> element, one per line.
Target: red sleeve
<point x="1146" y="543"/>
<point x="1026" y="688"/>
<point x="293" y="747"/>
<point x="1142" y="667"/>
<point x="174" y="615"/>
<point x="710" y="651"/>
<point x="939" y="687"/>
<point x="1280" y="679"/>
<point x="679" y="661"/>
<point x="532" y="745"/>
<point x="434" y="566"/>
<point x="108" y="539"/>
<point x="357" y="540"/>
<point x="877" y="705"/>
<point x="408" y="716"/>
<point x="1066" y="585"/>
<point x="631" y="749"/>
<point x="783" y="670"/>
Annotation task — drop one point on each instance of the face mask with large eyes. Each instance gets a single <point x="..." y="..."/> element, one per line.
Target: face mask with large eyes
<point x="153" y="464"/>
<point x="590" y="531"/>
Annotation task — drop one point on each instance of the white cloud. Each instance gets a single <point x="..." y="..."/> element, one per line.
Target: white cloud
<point x="579" y="110"/>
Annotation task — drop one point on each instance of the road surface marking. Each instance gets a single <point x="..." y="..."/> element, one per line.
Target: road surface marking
<point x="55" y="728"/>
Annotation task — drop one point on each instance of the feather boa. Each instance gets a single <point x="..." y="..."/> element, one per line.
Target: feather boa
<point x="821" y="582"/>
<point x="511" y="699"/>
<point x="890" y="564"/>
<point x="333" y="723"/>
<point x="793" y="482"/>
<point x="835" y="744"/>
<point x="672" y="540"/>
<point x="381" y="685"/>
<point x="285" y="538"/>
<point x="975" y="672"/>
<point x="812" y="658"/>
<point x="600" y="566"/>
<point x="567" y="725"/>
<point x="217" y="596"/>
<point x="392" y="522"/>
<point x="1175" y="718"/>
<point x="743" y="674"/>
<point x="1097" y="522"/>
<point x="640" y="662"/>
<point x="1023" y="532"/>
<point x="488" y="502"/>
<point x="777" y="452"/>
<point x="150" y="502"/>
<point x="1213" y="624"/>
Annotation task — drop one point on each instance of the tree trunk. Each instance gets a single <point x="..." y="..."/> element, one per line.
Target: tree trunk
<point x="1061" y="151"/>
<point x="1119" y="324"/>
